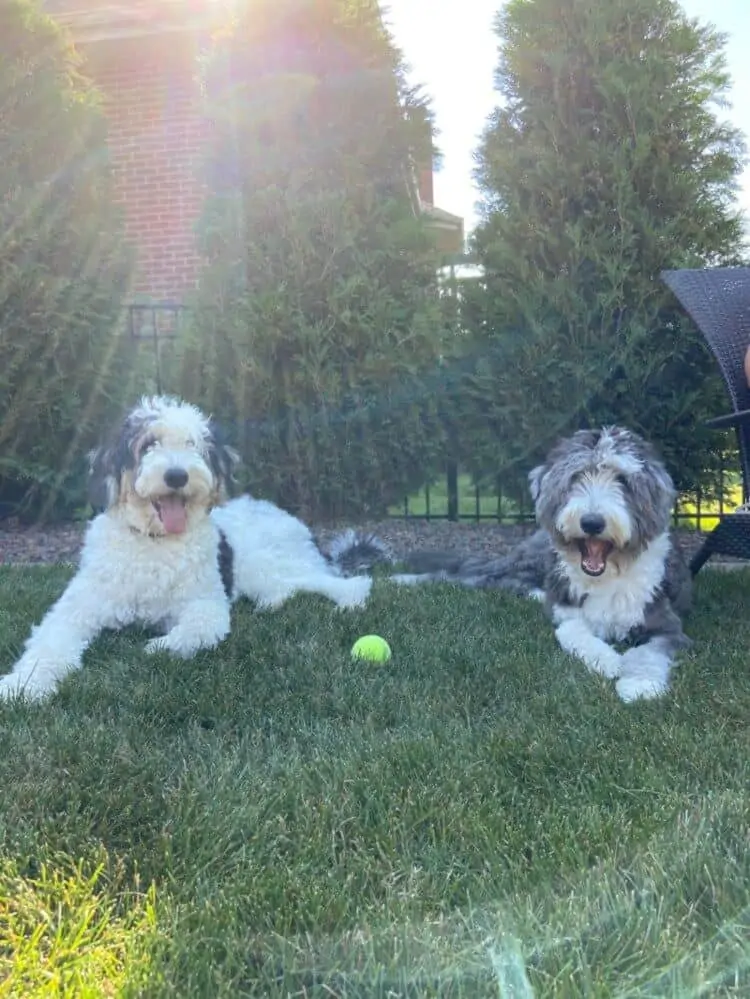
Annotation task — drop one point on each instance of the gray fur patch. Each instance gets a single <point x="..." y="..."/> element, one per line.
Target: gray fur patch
<point x="354" y="552"/>
<point x="522" y="570"/>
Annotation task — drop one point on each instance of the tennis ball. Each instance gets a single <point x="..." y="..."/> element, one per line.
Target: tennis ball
<point x="371" y="647"/>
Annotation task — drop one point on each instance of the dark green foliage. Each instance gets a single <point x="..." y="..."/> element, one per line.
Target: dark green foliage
<point x="63" y="357"/>
<point x="317" y="320"/>
<point x="607" y="162"/>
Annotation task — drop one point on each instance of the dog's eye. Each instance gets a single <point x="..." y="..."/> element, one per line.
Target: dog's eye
<point x="622" y="480"/>
<point x="147" y="444"/>
<point x="190" y="443"/>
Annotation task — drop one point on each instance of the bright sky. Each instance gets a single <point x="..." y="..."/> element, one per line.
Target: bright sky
<point x="451" y="49"/>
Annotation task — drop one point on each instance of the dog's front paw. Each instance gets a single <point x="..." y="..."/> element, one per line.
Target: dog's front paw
<point x="606" y="662"/>
<point x="181" y="645"/>
<point x="635" y="688"/>
<point x="355" y="593"/>
<point x="32" y="688"/>
<point x="576" y="639"/>
<point x="156" y="645"/>
<point x="10" y="686"/>
<point x="645" y="673"/>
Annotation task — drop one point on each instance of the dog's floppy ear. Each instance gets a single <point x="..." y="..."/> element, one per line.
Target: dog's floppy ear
<point x="99" y="492"/>
<point x="652" y="490"/>
<point x="536" y="475"/>
<point x="222" y="458"/>
<point x="104" y="478"/>
<point x="106" y="465"/>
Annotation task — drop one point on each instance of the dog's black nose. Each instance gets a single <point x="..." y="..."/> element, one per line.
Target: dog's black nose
<point x="176" y="478"/>
<point x="592" y="523"/>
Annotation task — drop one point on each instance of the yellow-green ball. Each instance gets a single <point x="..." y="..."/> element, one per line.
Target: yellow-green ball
<point x="371" y="647"/>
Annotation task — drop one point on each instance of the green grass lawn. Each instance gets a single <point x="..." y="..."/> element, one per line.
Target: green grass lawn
<point x="478" y="817"/>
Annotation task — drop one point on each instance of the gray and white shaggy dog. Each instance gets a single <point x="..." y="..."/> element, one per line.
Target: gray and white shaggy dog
<point x="603" y="559"/>
<point x="171" y="550"/>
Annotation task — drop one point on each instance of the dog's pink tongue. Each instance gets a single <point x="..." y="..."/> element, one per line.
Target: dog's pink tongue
<point x="173" y="514"/>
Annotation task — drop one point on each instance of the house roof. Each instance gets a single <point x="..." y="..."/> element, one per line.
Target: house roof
<point x="443" y="218"/>
<point x="448" y="228"/>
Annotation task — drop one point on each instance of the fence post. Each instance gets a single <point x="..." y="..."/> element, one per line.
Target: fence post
<point x="155" y="322"/>
<point x="452" y="484"/>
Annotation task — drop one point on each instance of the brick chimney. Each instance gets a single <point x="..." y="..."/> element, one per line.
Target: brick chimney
<point x="144" y="57"/>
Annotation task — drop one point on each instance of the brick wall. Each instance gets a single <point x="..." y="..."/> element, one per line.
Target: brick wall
<point x="157" y="139"/>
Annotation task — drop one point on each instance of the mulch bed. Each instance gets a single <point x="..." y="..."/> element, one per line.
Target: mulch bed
<point x="52" y="543"/>
<point x="39" y="544"/>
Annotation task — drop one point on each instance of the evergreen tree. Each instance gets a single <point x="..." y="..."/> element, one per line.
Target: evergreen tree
<point x="63" y="270"/>
<point x="317" y="320"/>
<point x="606" y="162"/>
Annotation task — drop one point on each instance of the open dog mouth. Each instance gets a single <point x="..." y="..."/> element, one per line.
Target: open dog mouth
<point x="171" y="512"/>
<point x="594" y="554"/>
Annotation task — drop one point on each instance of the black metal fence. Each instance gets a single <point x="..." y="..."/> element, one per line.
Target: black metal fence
<point x="454" y="497"/>
<point x="457" y="497"/>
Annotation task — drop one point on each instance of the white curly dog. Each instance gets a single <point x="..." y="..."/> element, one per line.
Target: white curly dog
<point x="172" y="551"/>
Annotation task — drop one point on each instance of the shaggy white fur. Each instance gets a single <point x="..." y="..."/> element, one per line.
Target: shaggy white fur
<point x="275" y="556"/>
<point x="169" y="551"/>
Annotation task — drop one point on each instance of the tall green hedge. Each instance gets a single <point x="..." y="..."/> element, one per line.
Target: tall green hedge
<point x="318" y="334"/>
<point x="608" y="159"/>
<point x="64" y="271"/>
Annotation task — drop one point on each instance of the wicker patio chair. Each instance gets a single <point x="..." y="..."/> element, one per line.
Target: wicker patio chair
<point x="718" y="301"/>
